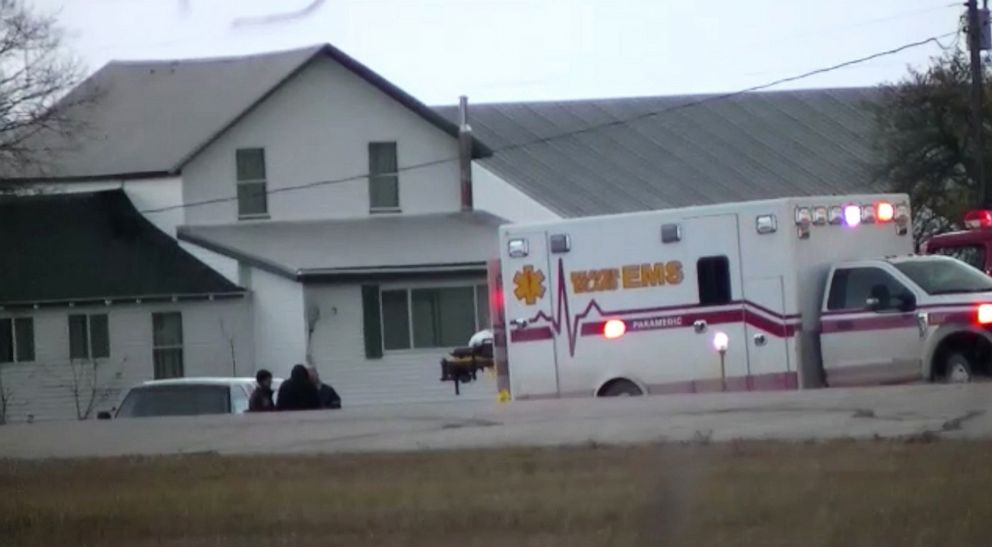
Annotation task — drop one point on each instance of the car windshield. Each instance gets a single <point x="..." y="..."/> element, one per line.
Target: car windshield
<point x="150" y="401"/>
<point x="945" y="276"/>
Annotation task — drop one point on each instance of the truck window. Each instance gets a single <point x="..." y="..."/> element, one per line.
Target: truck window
<point x="713" y="277"/>
<point x="852" y="287"/>
<point x="939" y="275"/>
<point x="969" y="254"/>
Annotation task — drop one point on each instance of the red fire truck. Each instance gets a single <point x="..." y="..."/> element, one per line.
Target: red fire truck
<point x="972" y="245"/>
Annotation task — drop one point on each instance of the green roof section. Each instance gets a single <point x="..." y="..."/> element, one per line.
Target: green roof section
<point x="92" y="247"/>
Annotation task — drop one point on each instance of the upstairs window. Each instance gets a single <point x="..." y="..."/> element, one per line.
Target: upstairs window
<point x="252" y="199"/>
<point x="384" y="186"/>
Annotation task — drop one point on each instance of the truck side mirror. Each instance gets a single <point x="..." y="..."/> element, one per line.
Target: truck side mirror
<point x="873" y="304"/>
<point x="907" y="302"/>
<point x="103" y="415"/>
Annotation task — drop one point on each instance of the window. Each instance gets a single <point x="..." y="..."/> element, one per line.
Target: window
<point x="252" y="198"/>
<point x="239" y="400"/>
<point x="436" y="317"/>
<point x="938" y="275"/>
<point x="969" y="254"/>
<point x="89" y="336"/>
<point x="192" y="400"/>
<point x="16" y="340"/>
<point x="167" y="342"/>
<point x="384" y="188"/>
<point x="395" y="320"/>
<point x="713" y="277"/>
<point x="851" y="288"/>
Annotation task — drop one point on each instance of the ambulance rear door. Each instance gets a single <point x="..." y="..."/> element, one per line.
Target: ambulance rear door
<point x="529" y="300"/>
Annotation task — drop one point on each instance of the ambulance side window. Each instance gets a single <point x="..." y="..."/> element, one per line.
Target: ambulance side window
<point x="713" y="277"/>
<point x="851" y="288"/>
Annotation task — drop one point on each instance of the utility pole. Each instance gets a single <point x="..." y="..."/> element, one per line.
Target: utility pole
<point x="464" y="156"/>
<point x="977" y="41"/>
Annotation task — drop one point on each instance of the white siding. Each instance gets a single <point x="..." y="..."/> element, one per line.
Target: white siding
<point x="43" y="388"/>
<point x="279" y="322"/>
<point x="399" y="377"/>
<point x="493" y="194"/>
<point x="317" y="127"/>
<point x="145" y="194"/>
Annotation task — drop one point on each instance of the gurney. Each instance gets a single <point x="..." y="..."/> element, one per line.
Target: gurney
<point x="463" y="364"/>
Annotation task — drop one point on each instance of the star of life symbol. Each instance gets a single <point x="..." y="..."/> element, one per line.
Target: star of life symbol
<point x="528" y="285"/>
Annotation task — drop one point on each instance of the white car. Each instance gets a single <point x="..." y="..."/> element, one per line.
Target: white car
<point x="186" y="397"/>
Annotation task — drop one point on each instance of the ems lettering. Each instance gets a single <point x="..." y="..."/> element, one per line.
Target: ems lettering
<point x="635" y="276"/>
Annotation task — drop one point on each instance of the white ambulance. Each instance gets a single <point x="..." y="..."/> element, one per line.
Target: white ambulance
<point x="778" y="294"/>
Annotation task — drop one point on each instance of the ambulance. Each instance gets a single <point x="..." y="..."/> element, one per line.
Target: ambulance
<point x="778" y="294"/>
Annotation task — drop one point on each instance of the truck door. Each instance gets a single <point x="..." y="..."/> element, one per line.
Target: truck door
<point x="768" y="334"/>
<point x="529" y="297"/>
<point x="869" y="333"/>
<point x="715" y="268"/>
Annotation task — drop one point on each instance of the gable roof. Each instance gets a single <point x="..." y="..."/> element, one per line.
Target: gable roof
<point x="752" y="146"/>
<point x="93" y="246"/>
<point x="149" y="118"/>
<point x="362" y="248"/>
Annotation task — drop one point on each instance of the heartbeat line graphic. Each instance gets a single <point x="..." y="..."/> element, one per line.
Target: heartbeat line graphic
<point x="562" y="314"/>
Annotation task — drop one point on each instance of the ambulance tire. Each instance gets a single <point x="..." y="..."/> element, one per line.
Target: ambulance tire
<point x="621" y="388"/>
<point x="957" y="369"/>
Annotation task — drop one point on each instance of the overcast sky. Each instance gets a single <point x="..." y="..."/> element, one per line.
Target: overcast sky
<point x="501" y="50"/>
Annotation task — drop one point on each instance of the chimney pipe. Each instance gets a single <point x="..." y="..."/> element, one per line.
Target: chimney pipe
<point x="465" y="154"/>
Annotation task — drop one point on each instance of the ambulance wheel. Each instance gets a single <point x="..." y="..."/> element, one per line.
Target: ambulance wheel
<point x="621" y="388"/>
<point x="957" y="369"/>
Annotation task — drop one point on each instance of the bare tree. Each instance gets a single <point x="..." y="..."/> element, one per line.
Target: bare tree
<point x="230" y="338"/>
<point x="87" y="388"/>
<point x="35" y="73"/>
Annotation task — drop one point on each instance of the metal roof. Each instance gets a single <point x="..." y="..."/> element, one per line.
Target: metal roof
<point x="94" y="246"/>
<point x="148" y="118"/>
<point x="379" y="245"/>
<point x="751" y="146"/>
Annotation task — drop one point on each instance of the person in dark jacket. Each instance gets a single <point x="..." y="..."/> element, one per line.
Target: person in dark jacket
<point x="261" y="397"/>
<point x="329" y="398"/>
<point x="298" y="393"/>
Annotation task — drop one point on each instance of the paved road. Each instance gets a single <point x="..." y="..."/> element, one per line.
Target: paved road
<point x="947" y="411"/>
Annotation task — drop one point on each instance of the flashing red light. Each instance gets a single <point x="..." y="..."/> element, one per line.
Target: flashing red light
<point x="884" y="211"/>
<point x="985" y="314"/>
<point x="978" y="219"/>
<point x="615" y="328"/>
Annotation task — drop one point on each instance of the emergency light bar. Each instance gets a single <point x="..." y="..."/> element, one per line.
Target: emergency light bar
<point x="853" y="215"/>
<point x="974" y="220"/>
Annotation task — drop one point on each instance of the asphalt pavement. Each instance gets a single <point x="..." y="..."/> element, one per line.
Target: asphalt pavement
<point x="914" y="411"/>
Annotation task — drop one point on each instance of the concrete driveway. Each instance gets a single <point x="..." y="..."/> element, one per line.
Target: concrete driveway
<point x="961" y="411"/>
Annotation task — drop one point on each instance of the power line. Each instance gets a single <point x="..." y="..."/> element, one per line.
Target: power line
<point x="588" y="129"/>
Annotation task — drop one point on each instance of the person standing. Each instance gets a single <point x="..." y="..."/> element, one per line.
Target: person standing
<point x="298" y="392"/>
<point x="261" y="397"/>
<point x="329" y="398"/>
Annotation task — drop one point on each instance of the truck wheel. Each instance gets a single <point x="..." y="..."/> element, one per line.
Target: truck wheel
<point x="957" y="369"/>
<point x="621" y="388"/>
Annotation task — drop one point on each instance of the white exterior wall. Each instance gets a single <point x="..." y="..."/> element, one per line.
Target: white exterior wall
<point x="399" y="376"/>
<point x="493" y="194"/>
<point x="42" y="388"/>
<point x="279" y="322"/>
<point x="316" y="127"/>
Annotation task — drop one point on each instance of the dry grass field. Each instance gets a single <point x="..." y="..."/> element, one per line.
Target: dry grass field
<point x="841" y="493"/>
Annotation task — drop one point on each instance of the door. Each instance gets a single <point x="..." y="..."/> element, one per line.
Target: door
<point x="870" y="332"/>
<point x="769" y="333"/>
<point x="714" y="266"/>
<point x="530" y="315"/>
